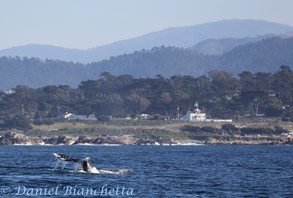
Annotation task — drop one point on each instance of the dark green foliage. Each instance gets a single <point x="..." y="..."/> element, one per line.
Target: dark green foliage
<point x="229" y="128"/>
<point x="38" y="122"/>
<point x="48" y="122"/>
<point x="209" y="129"/>
<point x="222" y="96"/>
<point x="102" y="118"/>
<point x="199" y="130"/>
<point x="189" y="128"/>
<point x="279" y="130"/>
<point x="254" y="131"/>
<point x="18" y="122"/>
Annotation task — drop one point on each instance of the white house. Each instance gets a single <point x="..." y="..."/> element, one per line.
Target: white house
<point x="92" y="116"/>
<point x="74" y="116"/>
<point x="143" y="116"/>
<point x="64" y="115"/>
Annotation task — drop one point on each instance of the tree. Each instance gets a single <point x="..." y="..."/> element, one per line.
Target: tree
<point x="283" y="84"/>
<point x="273" y="107"/>
<point x="247" y="80"/>
<point x="264" y="80"/>
<point x="223" y="81"/>
<point x="38" y="122"/>
<point x="253" y="98"/>
<point x="103" y="119"/>
<point x="279" y="130"/>
<point x="49" y="122"/>
<point x="190" y="128"/>
<point x="136" y="103"/>
<point x="229" y="128"/>
<point x="208" y="129"/>
<point x="18" y="122"/>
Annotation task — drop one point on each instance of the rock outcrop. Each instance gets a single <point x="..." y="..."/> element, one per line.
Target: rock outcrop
<point x="247" y="140"/>
<point x="19" y="138"/>
<point x="62" y="139"/>
<point x="145" y="141"/>
<point x="15" y="138"/>
<point x="96" y="140"/>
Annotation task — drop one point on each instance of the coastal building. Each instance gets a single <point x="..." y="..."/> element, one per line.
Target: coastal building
<point x="64" y="115"/>
<point x="74" y="116"/>
<point x="200" y="116"/>
<point x="70" y="116"/>
<point x="92" y="116"/>
<point x="143" y="116"/>
<point x="197" y="115"/>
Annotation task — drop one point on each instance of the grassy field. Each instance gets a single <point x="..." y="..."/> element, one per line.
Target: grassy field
<point x="164" y="124"/>
<point x="138" y="128"/>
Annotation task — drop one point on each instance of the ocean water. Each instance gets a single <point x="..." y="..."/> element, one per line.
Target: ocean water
<point x="157" y="171"/>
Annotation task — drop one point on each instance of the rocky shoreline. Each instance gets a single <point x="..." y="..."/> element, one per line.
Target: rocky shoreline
<point x="15" y="138"/>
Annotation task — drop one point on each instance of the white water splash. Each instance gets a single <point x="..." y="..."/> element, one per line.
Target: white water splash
<point x="115" y="171"/>
<point x="77" y="167"/>
<point x="60" y="164"/>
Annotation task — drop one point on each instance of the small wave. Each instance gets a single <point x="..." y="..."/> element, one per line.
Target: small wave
<point x="115" y="171"/>
<point x="103" y="171"/>
<point x="188" y="144"/>
<point x="26" y="144"/>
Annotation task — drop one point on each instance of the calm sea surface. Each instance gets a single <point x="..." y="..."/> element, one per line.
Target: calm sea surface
<point x="158" y="171"/>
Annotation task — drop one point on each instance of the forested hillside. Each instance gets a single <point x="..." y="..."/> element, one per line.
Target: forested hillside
<point x="220" y="46"/>
<point x="266" y="55"/>
<point x="260" y="56"/>
<point x="222" y="95"/>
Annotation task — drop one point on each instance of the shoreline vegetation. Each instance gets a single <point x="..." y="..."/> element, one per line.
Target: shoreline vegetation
<point x="142" y="111"/>
<point x="150" y="132"/>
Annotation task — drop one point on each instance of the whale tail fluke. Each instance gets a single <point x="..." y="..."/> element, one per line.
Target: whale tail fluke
<point x="84" y="163"/>
<point x="66" y="158"/>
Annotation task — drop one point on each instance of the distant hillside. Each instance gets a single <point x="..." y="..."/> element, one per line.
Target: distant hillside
<point x="43" y="52"/>
<point x="35" y="73"/>
<point x="178" y="36"/>
<point x="220" y="46"/>
<point x="266" y="55"/>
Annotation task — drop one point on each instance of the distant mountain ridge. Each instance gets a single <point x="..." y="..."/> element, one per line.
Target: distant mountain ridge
<point x="220" y="46"/>
<point x="265" y="56"/>
<point x="42" y="52"/>
<point x="178" y="36"/>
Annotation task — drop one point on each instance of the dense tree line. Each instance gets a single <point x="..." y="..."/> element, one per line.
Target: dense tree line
<point x="266" y="56"/>
<point x="220" y="95"/>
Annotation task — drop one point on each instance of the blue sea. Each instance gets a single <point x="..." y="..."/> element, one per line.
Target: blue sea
<point x="156" y="171"/>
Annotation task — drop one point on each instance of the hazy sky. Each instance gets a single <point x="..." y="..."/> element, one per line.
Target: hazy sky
<point x="89" y="23"/>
